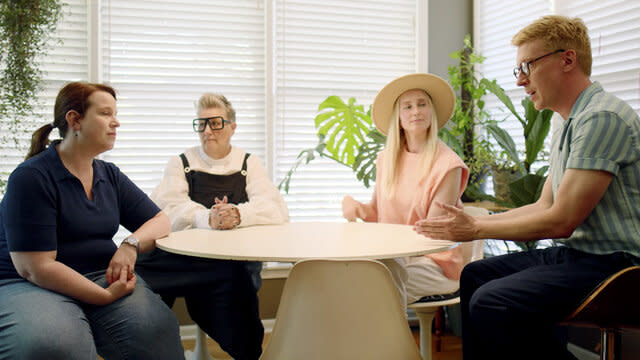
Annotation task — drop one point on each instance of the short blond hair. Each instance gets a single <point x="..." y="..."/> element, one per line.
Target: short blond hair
<point x="559" y="32"/>
<point x="211" y="100"/>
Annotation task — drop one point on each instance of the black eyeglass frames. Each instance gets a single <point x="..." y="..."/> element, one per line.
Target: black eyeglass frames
<point x="525" y="66"/>
<point x="215" y="123"/>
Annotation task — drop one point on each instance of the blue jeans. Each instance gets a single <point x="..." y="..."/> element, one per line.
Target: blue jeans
<point x="512" y="303"/>
<point x="36" y="323"/>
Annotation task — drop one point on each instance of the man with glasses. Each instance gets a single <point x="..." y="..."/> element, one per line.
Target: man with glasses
<point x="589" y="205"/>
<point x="215" y="186"/>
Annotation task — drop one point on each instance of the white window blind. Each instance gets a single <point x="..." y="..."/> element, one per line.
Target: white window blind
<point x="494" y="27"/>
<point x="614" y="29"/>
<point x="66" y="61"/>
<point x="161" y="56"/>
<point x="343" y="48"/>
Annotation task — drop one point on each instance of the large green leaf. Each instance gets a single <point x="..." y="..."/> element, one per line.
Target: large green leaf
<point x="498" y="91"/>
<point x="530" y="114"/>
<point x="536" y="131"/>
<point x="543" y="171"/>
<point x="451" y="140"/>
<point x="344" y="127"/>
<point x="365" y="163"/>
<point x="526" y="190"/>
<point x="506" y="143"/>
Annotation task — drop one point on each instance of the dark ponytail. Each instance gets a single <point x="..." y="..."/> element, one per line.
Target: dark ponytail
<point x="39" y="140"/>
<point x="73" y="96"/>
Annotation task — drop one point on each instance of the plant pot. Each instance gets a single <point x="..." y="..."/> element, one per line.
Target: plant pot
<point x="502" y="177"/>
<point x="476" y="187"/>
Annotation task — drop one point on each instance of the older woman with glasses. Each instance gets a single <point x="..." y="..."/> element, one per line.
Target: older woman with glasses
<point x="215" y="186"/>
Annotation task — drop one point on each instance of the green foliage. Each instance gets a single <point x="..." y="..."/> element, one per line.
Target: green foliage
<point x="344" y="127"/>
<point x="365" y="164"/>
<point x="25" y="28"/>
<point x="535" y="126"/>
<point x="346" y="135"/>
<point x="461" y="133"/>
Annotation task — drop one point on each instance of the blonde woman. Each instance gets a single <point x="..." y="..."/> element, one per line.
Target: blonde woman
<point x="414" y="169"/>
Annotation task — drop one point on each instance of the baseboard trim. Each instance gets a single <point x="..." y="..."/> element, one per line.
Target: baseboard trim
<point x="188" y="332"/>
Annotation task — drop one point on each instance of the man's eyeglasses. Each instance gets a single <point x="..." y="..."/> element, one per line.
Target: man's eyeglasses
<point x="215" y="123"/>
<point x="525" y="66"/>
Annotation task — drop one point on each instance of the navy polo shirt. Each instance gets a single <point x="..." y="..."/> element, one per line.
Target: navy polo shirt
<point x="45" y="208"/>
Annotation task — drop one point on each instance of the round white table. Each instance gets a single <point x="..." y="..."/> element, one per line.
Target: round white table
<point x="296" y="241"/>
<point x="292" y="242"/>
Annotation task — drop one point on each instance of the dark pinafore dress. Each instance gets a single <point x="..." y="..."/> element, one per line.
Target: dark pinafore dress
<point x="205" y="187"/>
<point x="174" y="274"/>
<point x="221" y="295"/>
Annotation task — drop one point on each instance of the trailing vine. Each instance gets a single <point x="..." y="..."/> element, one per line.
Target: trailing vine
<point x="25" y="30"/>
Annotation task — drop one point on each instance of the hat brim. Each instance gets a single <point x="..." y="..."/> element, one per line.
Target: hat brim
<point x="439" y="90"/>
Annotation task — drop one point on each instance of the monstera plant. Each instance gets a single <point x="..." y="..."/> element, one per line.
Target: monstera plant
<point x="346" y="135"/>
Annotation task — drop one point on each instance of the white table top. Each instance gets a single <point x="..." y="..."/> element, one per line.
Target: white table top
<point x="304" y="240"/>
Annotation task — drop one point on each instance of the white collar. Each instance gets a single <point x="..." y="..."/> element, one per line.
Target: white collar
<point x="225" y="161"/>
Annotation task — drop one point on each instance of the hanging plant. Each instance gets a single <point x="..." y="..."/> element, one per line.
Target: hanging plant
<point x="25" y="30"/>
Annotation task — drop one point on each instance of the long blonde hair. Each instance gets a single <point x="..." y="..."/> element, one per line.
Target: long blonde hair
<point x="396" y="142"/>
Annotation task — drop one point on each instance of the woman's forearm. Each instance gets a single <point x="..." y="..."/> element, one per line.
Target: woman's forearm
<point x="153" y="229"/>
<point x="40" y="269"/>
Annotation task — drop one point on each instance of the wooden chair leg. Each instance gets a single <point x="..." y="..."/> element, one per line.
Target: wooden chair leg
<point x="610" y="347"/>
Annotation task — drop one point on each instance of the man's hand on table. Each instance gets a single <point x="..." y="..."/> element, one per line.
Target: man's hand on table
<point x="455" y="225"/>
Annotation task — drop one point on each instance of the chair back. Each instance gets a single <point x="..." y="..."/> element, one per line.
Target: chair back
<point x="613" y="304"/>
<point x="334" y="309"/>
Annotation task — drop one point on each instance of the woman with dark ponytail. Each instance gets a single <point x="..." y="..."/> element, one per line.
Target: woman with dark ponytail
<point x="66" y="290"/>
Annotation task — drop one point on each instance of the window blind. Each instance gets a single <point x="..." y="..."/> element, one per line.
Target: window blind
<point x="343" y="48"/>
<point x="161" y="56"/>
<point x="614" y="29"/>
<point x="66" y="61"/>
<point x="494" y="26"/>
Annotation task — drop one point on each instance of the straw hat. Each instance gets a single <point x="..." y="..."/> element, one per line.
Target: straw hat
<point x="439" y="90"/>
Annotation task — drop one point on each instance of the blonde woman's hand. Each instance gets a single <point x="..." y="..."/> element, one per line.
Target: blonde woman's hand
<point x="352" y="209"/>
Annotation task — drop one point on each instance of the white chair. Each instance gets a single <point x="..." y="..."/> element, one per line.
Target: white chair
<point x="337" y="310"/>
<point x="201" y="351"/>
<point x="427" y="310"/>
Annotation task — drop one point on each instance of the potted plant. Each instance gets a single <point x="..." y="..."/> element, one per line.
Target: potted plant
<point x="346" y="134"/>
<point x="25" y="28"/>
<point x="526" y="185"/>
<point x="465" y="133"/>
<point x="522" y="184"/>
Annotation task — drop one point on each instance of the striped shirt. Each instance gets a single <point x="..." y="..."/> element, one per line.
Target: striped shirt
<point x="603" y="133"/>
